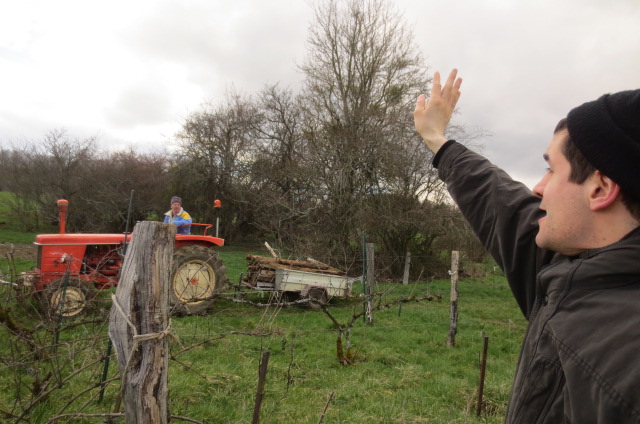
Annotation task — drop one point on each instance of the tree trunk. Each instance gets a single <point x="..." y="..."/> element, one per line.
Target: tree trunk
<point x="138" y="324"/>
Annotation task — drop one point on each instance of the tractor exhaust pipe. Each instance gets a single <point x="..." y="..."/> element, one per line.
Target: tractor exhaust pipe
<point x="63" y="205"/>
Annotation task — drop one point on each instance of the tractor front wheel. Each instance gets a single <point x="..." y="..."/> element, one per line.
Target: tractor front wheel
<point x="198" y="275"/>
<point x="68" y="301"/>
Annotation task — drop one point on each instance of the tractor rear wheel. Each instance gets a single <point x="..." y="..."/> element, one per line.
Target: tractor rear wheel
<point x="68" y="302"/>
<point x="198" y="275"/>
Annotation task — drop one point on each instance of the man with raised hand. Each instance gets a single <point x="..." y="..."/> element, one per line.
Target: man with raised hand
<point x="570" y="251"/>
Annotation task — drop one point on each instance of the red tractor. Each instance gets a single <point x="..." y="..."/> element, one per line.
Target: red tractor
<point x="71" y="268"/>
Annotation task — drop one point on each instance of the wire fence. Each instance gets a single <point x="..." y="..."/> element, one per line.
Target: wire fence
<point x="54" y="367"/>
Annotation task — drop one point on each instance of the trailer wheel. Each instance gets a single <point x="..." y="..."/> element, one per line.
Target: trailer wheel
<point x="317" y="297"/>
<point x="198" y="275"/>
<point x="70" y="302"/>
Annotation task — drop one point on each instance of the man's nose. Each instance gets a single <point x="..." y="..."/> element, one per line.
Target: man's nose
<point x="538" y="189"/>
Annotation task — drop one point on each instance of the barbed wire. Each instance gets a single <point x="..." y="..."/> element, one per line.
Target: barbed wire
<point x="364" y="330"/>
<point x="266" y="329"/>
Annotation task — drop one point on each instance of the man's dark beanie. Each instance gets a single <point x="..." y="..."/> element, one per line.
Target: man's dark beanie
<point x="607" y="133"/>
<point x="176" y="199"/>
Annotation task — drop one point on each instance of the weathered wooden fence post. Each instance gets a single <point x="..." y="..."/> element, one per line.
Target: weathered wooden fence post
<point x="371" y="282"/>
<point x="407" y="265"/>
<point x="483" y="368"/>
<point x="326" y="406"/>
<point x="453" y="324"/>
<point x="139" y="323"/>
<point x="262" y="378"/>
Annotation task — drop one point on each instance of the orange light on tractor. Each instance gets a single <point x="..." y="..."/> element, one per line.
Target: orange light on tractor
<point x="217" y="204"/>
<point x="63" y="206"/>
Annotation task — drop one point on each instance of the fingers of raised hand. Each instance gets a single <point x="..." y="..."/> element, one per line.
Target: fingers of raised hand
<point x="420" y="105"/>
<point x="446" y="96"/>
<point x="451" y="90"/>
<point x="436" y="80"/>
<point x="452" y="78"/>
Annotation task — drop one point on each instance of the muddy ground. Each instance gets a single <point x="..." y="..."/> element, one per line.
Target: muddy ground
<point x="19" y="251"/>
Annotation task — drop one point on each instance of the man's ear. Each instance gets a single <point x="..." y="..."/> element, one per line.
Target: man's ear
<point x="603" y="191"/>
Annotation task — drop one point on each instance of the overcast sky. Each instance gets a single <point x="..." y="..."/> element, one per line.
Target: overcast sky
<point x="129" y="72"/>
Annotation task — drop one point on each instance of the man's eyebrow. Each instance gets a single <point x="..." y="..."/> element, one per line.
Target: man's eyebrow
<point x="546" y="157"/>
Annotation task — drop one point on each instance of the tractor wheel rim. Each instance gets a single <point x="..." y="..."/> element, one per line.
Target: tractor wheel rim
<point x="194" y="282"/>
<point x="68" y="304"/>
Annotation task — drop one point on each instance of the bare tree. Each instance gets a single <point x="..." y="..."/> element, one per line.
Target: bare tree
<point x="113" y="176"/>
<point x="19" y="177"/>
<point x="217" y="149"/>
<point x="281" y="171"/>
<point x="97" y="184"/>
<point x="363" y="73"/>
<point x="40" y="173"/>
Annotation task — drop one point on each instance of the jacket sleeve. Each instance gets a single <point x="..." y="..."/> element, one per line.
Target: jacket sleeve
<point x="502" y="212"/>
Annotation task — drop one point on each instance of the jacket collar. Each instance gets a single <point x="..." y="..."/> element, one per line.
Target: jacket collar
<point x="614" y="265"/>
<point x="632" y="237"/>
<point x="170" y="215"/>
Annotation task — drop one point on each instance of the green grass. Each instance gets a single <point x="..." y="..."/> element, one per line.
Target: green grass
<point x="403" y="370"/>
<point x="10" y="231"/>
<point x="11" y="268"/>
<point x="235" y="260"/>
<point x="16" y="237"/>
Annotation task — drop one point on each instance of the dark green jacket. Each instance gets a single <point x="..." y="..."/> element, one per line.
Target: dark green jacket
<point x="580" y="360"/>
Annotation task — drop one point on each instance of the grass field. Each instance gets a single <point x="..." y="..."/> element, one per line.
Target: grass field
<point x="403" y="370"/>
<point x="10" y="231"/>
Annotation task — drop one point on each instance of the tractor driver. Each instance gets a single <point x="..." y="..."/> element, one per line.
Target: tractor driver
<point x="178" y="216"/>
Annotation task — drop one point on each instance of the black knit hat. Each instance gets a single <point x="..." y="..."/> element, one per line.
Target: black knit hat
<point x="176" y="199"/>
<point x="607" y="133"/>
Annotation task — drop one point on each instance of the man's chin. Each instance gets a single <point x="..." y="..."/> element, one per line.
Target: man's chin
<point x="563" y="250"/>
<point x="543" y="243"/>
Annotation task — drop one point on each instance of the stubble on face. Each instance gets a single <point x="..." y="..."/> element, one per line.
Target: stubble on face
<point x="561" y="229"/>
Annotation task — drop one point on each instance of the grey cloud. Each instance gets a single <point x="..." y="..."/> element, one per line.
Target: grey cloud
<point x="526" y="64"/>
<point x="220" y="43"/>
<point x="140" y="105"/>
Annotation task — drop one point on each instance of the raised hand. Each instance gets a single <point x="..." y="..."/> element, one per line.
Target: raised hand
<point x="432" y="117"/>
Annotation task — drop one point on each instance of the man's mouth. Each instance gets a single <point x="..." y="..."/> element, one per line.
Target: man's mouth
<point x="543" y="216"/>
